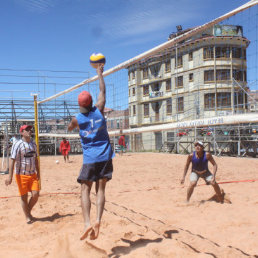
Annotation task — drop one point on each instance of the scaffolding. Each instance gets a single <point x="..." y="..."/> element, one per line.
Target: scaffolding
<point x="239" y="140"/>
<point x="53" y="119"/>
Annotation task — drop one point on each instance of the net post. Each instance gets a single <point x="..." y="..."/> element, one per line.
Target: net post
<point x="37" y="133"/>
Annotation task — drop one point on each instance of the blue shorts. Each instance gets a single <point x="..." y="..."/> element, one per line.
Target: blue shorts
<point x="95" y="171"/>
<point x="207" y="176"/>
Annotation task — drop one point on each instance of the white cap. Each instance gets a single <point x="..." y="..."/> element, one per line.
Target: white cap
<point x="199" y="143"/>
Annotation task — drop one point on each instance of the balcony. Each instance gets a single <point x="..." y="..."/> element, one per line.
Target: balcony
<point x="156" y="94"/>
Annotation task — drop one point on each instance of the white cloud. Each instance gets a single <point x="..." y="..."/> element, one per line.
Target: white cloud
<point x="40" y="6"/>
<point x="143" y="17"/>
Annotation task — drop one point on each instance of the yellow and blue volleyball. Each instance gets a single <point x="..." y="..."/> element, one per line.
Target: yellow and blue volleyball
<point x="97" y="59"/>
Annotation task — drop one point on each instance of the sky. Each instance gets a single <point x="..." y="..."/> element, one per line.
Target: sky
<point x="60" y="35"/>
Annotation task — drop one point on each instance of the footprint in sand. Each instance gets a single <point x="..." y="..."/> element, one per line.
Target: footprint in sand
<point x="62" y="248"/>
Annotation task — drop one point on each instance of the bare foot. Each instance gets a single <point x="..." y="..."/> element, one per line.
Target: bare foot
<point x="86" y="232"/>
<point x="218" y="198"/>
<point x="95" y="231"/>
<point x="32" y="218"/>
<point x="29" y="220"/>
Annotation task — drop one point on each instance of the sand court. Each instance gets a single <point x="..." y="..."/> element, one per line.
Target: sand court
<point x="145" y="213"/>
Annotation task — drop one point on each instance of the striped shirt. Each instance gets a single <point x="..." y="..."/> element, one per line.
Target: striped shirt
<point x="24" y="154"/>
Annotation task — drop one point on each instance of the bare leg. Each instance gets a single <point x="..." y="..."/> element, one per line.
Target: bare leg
<point x="100" y="191"/>
<point x="25" y="207"/>
<point x="190" y="190"/>
<point x="86" y="206"/>
<point x="68" y="158"/>
<point x="217" y="190"/>
<point x="33" y="201"/>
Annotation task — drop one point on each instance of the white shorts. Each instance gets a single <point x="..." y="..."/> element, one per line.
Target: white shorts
<point x="207" y="176"/>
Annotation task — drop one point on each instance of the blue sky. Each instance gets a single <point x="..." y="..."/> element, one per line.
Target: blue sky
<point x="60" y="35"/>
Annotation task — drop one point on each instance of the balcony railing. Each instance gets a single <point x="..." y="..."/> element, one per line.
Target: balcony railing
<point x="156" y="94"/>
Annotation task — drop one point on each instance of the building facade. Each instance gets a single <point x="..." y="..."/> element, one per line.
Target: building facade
<point x="204" y="76"/>
<point x="116" y="119"/>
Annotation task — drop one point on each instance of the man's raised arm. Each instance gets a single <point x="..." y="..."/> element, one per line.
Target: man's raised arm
<point x="102" y="90"/>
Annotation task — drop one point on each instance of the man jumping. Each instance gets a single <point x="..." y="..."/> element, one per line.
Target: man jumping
<point x="97" y="154"/>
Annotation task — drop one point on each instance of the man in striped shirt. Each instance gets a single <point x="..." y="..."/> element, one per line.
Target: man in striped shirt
<point x="24" y="154"/>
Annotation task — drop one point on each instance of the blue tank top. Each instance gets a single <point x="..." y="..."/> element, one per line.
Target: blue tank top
<point x="199" y="164"/>
<point x="95" y="142"/>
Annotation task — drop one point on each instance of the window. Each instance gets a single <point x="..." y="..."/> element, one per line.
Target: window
<point x="179" y="61"/>
<point x="244" y="53"/>
<point x="190" y="56"/>
<point x="180" y="104"/>
<point x="224" y="100"/>
<point x="112" y="124"/>
<point x="133" y="75"/>
<point x="209" y="101"/>
<point x="117" y="124"/>
<point x="208" y="53"/>
<point x="133" y="91"/>
<point x="168" y="85"/>
<point x="170" y="136"/>
<point x="154" y="70"/>
<point x="222" y="52"/>
<point x="146" y="109"/>
<point x="156" y="87"/>
<point x="236" y="52"/>
<point x="239" y="100"/>
<point x="145" y="90"/>
<point x="239" y="75"/>
<point x="167" y="66"/>
<point x="145" y="73"/>
<point x="209" y="76"/>
<point x="129" y="92"/>
<point x="222" y="74"/>
<point x="169" y="106"/>
<point x="179" y="81"/>
<point x="190" y="77"/>
<point x="134" y="110"/>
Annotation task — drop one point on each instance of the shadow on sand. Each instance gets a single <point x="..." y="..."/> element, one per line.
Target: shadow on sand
<point x="123" y="250"/>
<point x="169" y="233"/>
<point x="52" y="218"/>
<point x="215" y="198"/>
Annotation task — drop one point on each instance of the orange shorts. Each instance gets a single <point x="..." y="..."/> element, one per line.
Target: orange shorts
<point x="65" y="152"/>
<point x="27" y="183"/>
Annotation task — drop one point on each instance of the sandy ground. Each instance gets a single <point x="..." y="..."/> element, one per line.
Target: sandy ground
<point x="145" y="214"/>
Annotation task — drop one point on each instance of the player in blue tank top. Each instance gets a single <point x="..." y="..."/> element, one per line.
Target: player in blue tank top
<point x="97" y="154"/>
<point x="199" y="159"/>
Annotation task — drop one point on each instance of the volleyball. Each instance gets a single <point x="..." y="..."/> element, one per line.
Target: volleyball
<point x="57" y="161"/>
<point x="97" y="59"/>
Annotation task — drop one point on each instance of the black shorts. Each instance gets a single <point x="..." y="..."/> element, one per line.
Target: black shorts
<point x="95" y="171"/>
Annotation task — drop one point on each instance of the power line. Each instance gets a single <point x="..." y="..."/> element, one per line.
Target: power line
<point x="36" y="83"/>
<point x="40" y="70"/>
<point x="41" y="76"/>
